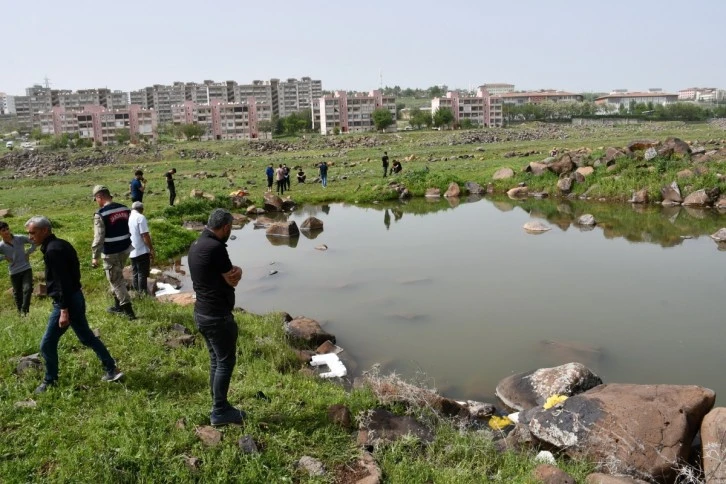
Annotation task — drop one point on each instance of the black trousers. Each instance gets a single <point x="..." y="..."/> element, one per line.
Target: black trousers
<point x="172" y="196"/>
<point x="220" y="335"/>
<point x="140" y="268"/>
<point x="281" y="186"/>
<point x="22" y="289"/>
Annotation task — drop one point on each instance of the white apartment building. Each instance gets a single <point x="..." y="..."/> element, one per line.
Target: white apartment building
<point x="223" y="121"/>
<point x="615" y="99"/>
<point x="353" y="114"/>
<point x="497" y="88"/>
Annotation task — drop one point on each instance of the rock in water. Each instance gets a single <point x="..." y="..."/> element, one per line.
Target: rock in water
<point x="536" y="227"/>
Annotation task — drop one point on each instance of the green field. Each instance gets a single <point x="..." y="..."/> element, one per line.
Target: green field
<point x="143" y="429"/>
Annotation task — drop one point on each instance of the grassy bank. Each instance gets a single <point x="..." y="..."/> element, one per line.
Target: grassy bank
<point x="144" y="428"/>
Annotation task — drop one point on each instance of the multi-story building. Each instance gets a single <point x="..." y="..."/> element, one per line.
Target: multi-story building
<point x="293" y="96"/>
<point x="37" y="98"/>
<point x="615" y="99"/>
<point x="98" y="123"/>
<point x="222" y="120"/>
<point x="160" y="98"/>
<point x="84" y="97"/>
<point x="226" y="92"/>
<point x="6" y="103"/>
<point x="196" y="92"/>
<point x="537" y="97"/>
<point x="353" y="114"/>
<point x="260" y="90"/>
<point x="482" y="110"/>
<point x="703" y="94"/>
<point x="497" y="88"/>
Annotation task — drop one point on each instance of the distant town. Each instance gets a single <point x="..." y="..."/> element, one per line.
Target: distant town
<point x="233" y="111"/>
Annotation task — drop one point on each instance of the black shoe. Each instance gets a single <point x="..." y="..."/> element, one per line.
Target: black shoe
<point x="128" y="311"/>
<point x="44" y="386"/>
<point x="230" y="416"/>
<point x="113" y="375"/>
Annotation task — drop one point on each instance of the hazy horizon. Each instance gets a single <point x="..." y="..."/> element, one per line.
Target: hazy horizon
<point x="562" y="44"/>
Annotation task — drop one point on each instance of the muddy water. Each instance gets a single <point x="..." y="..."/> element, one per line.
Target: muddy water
<point x="459" y="292"/>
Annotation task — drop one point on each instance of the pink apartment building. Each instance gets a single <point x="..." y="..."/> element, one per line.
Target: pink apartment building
<point x="222" y="120"/>
<point x="100" y="124"/>
<point x="353" y="114"/>
<point x="482" y="110"/>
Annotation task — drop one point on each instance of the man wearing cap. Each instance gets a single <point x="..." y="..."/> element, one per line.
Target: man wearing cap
<point x="112" y="242"/>
<point x="143" y="252"/>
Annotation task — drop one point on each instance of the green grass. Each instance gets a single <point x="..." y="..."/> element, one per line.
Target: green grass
<point x="87" y="431"/>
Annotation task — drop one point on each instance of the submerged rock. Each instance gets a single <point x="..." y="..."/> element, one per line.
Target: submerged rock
<point x="536" y="227"/>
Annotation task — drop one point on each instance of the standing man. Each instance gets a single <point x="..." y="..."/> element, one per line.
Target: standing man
<point x="112" y="240"/>
<point x="384" y="160"/>
<point x="170" y="185"/>
<point x="286" y="172"/>
<point x="143" y="252"/>
<point x="137" y="186"/>
<point x="63" y="277"/>
<point x="214" y="279"/>
<point x="270" y="172"/>
<point x="324" y="173"/>
<point x="280" y="180"/>
<point x="12" y="249"/>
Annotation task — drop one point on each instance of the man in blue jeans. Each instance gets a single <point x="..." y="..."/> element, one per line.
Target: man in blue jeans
<point x="214" y="279"/>
<point x="63" y="281"/>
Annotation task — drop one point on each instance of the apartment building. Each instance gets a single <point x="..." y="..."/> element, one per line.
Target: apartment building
<point x="7" y="104"/>
<point x="222" y="120"/>
<point x="622" y="97"/>
<point x="37" y="98"/>
<point x="260" y="90"/>
<point x="537" y="97"/>
<point x="293" y="96"/>
<point x="83" y="97"/>
<point x="160" y="98"/>
<point x="353" y="114"/>
<point x="98" y="123"/>
<point x="482" y="109"/>
<point x="702" y="94"/>
<point x="226" y="92"/>
<point x="497" y="88"/>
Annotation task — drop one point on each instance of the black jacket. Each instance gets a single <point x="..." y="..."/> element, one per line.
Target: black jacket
<point x="62" y="269"/>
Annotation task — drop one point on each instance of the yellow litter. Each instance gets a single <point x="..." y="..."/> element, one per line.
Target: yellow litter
<point x="554" y="400"/>
<point x="498" y="423"/>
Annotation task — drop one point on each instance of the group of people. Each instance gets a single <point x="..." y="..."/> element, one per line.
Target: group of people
<point x="137" y="187"/>
<point x="280" y="175"/>
<point x="121" y="233"/>
<point x="395" y="169"/>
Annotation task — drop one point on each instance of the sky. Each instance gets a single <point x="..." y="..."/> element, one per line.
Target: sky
<point x="579" y="46"/>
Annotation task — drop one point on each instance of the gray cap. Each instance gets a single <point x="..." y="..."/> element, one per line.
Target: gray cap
<point x="100" y="188"/>
<point x="137" y="205"/>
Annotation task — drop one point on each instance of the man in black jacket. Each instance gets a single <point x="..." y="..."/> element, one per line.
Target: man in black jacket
<point x="63" y="282"/>
<point x="214" y="279"/>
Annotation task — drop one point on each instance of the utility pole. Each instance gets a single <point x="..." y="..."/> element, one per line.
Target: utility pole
<point x="47" y="82"/>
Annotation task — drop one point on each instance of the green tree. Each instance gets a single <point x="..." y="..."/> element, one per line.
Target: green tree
<point x="468" y="123"/>
<point x="123" y="136"/>
<point x="36" y="134"/>
<point x="191" y="131"/>
<point x="419" y="118"/>
<point x="382" y="118"/>
<point x="443" y="117"/>
<point x="399" y="106"/>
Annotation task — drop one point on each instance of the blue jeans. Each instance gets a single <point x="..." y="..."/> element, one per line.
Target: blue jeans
<point x="79" y="323"/>
<point x="220" y="334"/>
<point x="324" y="179"/>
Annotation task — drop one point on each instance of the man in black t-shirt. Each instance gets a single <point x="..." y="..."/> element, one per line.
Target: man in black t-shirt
<point x="170" y="185"/>
<point x="214" y="279"/>
<point x="384" y="162"/>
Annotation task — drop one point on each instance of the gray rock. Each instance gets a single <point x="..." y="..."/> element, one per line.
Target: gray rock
<point x="381" y="426"/>
<point x="28" y="363"/>
<point x="637" y="430"/>
<point x="699" y="198"/>
<point x="720" y="235"/>
<point x="503" y="174"/>
<point x="535" y="227"/>
<point x="564" y="184"/>
<point x="453" y="190"/>
<point x="283" y="229"/>
<point x="433" y="193"/>
<point x="650" y="153"/>
<point x="273" y="203"/>
<point x="311" y="465"/>
<point x="640" y="196"/>
<point x="550" y="474"/>
<point x="209" y="436"/>
<point x="671" y="193"/>
<point x="312" y="223"/>
<point x="248" y="445"/>
<point x="586" y="219"/>
<point x="531" y="389"/>
<point x="306" y="333"/>
<point x="518" y="192"/>
<point x="474" y="188"/>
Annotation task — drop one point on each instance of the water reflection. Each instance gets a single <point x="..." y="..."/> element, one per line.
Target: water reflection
<point x="453" y="288"/>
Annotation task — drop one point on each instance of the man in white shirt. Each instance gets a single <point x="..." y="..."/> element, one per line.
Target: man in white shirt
<point x="143" y="252"/>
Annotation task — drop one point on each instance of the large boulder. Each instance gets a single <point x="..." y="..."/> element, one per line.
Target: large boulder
<point x="563" y="165"/>
<point x="702" y="198"/>
<point x="586" y="219"/>
<point x="433" y="193"/>
<point x="713" y="445"/>
<point x="719" y="235"/>
<point x="312" y="223"/>
<point x="518" y="192"/>
<point x="453" y="190"/>
<point x="671" y="193"/>
<point x="641" y="145"/>
<point x="273" y="203"/>
<point x="675" y="146"/>
<point x="536" y="168"/>
<point x="283" y="229"/>
<point x="532" y="389"/>
<point x="636" y="430"/>
<point x="380" y="426"/>
<point x="306" y="333"/>
<point x="503" y="174"/>
<point x="564" y="184"/>
<point x="640" y="196"/>
<point x="474" y="188"/>
<point x="585" y="171"/>
<point x="611" y="154"/>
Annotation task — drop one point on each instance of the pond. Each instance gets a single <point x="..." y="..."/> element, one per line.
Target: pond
<point x="459" y="292"/>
